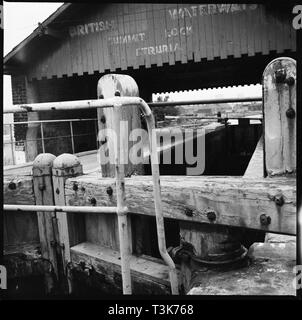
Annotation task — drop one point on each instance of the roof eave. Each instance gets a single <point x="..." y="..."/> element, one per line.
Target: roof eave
<point x="35" y="33"/>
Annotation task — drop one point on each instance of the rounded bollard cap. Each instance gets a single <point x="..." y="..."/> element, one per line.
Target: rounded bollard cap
<point x="66" y="160"/>
<point x="44" y="160"/>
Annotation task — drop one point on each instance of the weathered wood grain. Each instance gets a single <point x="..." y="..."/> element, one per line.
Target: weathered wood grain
<point x="23" y="193"/>
<point x="235" y="201"/>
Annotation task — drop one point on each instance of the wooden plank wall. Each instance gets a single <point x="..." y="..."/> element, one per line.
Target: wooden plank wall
<point x="119" y="36"/>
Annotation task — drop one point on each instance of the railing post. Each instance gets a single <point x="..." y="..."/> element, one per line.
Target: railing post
<point x="42" y="138"/>
<point x="70" y="226"/>
<point x="42" y="182"/>
<point x="12" y="143"/>
<point x="109" y="86"/>
<point x="71" y="134"/>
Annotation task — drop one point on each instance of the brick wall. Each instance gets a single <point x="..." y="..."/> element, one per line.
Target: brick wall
<point x="19" y="97"/>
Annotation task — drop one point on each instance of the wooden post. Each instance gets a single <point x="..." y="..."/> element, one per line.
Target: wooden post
<point x="71" y="227"/>
<point x="42" y="182"/>
<point x="279" y="113"/>
<point x="111" y="85"/>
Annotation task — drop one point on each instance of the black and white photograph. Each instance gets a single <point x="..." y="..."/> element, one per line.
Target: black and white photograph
<point x="151" y="150"/>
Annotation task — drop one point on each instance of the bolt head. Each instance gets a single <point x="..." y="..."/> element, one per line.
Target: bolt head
<point x="109" y="191"/>
<point x="12" y="186"/>
<point x="279" y="200"/>
<point x="290" y="113"/>
<point x="290" y="81"/>
<point x="188" y="212"/>
<point x="211" y="215"/>
<point x="265" y="220"/>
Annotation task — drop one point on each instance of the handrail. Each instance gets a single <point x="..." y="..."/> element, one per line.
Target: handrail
<point x="116" y="103"/>
<point x="91" y="104"/>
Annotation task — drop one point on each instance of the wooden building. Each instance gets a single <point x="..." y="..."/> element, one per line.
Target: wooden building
<point x="164" y="47"/>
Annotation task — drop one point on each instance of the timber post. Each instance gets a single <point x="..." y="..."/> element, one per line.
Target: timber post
<point x="109" y="86"/>
<point x="43" y="191"/>
<point x="279" y="113"/>
<point x="70" y="225"/>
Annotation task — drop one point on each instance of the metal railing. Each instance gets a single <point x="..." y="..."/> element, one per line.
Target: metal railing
<point x="121" y="209"/>
<point x="41" y="123"/>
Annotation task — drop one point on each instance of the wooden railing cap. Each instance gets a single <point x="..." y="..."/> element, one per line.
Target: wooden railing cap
<point x="44" y="160"/>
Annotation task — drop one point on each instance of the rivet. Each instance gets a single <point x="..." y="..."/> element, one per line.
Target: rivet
<point x="101" y="96"/>
<point x="117" y="94"/>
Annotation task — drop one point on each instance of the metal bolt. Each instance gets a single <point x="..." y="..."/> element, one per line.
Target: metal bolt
<point x="12" y="186"/>
<point x="290" y="81"/>
<point x="75" y="187"/>
<point x="101" y="96"/>
<point x="211" y="215"/>
<point x="265" y="220"/>
<point x="280" y="75"/>
<point x="109" y="191"/>
<point x="117" y="94"/>
<point x="42" y="187"/>
<point x="92" y="201"/>
<point x="279" y="200"/>
<point x="290" y="113"/>
<point x="103" y="119"/>
<point x="188" y="212"/>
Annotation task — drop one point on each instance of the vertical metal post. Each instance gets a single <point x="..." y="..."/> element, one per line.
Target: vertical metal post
<point x="157" y="199"/>
<point x="121" y="208"/>
<point x="42" y="137"/>
<point x="12" y="143"/>
<point x="96" y="132"/>
<point x="71" y="133"/>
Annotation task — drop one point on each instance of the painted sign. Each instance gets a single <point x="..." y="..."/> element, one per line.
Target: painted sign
<point x="119" y="36"/>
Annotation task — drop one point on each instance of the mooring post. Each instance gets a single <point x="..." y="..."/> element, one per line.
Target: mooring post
<point x="118" y="85"/>
<point x="279" y="113"/>
<point x="122" y="120"/>
<point x="43" y="190"/>
<point x="70" y="225"/>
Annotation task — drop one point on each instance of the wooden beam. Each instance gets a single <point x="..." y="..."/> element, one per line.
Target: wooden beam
<point x="235" y="201"/>
<point x="18" y="190"/>
<point x="149" y="277"/>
